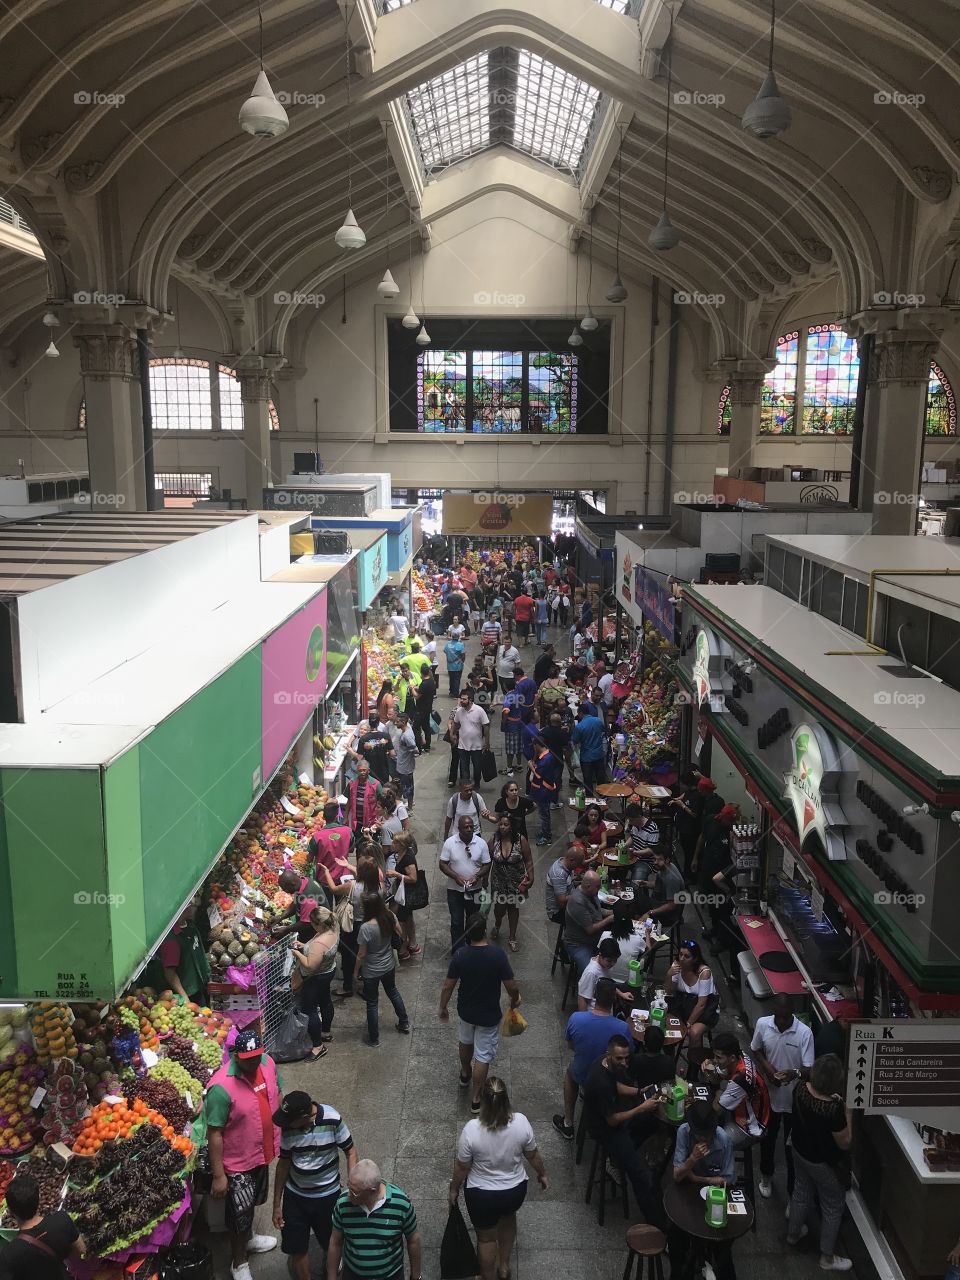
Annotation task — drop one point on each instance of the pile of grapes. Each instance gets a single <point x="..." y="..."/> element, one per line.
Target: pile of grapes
<point x="162" y="1096"/>
<point x="179" y="1049"/>
<point x="49" y="1179"/>
<point x="182" y="1080"/>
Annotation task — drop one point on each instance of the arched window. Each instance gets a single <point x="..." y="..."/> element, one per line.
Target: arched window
<point x="185" y="395"/>
<point x="822" y="366"/>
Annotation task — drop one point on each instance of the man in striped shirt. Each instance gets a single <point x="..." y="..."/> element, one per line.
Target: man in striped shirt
<point x="370" y="1224"/>
<point x="307" y="1181"/>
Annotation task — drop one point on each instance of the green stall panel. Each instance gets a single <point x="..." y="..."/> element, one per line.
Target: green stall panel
<point x="122" y="821"/>
<point x="199" y="771"/>
<point x="59" y="884"/>
<point x="8" y="949"/>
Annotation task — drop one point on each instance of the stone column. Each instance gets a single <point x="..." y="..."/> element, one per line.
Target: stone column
<point x="114" y="439"/>
<point x="746" y="395"/>
<point x="898" y="377"/>
<point x="254" y="373"/>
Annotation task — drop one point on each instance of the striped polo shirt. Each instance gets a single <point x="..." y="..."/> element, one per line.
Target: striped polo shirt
<point x="373" y="1242"/>
<point x="314" y="1154"/>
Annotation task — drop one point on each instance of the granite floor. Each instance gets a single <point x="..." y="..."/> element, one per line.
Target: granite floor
<point x="405" y="1110"/>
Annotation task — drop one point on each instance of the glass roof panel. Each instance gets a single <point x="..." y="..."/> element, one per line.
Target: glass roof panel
<point x="554" y="112"/>
<point x="451" y="114"/>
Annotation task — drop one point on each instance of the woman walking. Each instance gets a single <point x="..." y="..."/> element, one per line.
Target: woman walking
<point x="368" y="881"/>
<point x="542" y="617"/>
<point x="318" y="962"/>
<point x="694" y="1000"/>
<point x="490" y="1156"/>
<point x="377" y="964"/>
<point x="515" y="806"/>
<point x="386" y="702"/>
<point x="405" y="871"/>
<point x="425" y="697"/>
<point x="821" y="1136"/>
<point x="511" y="876"/>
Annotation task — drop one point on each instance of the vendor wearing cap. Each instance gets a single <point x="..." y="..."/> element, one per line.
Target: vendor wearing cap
<point x="307" y="1181"/>
<point x="239" y="1106"/>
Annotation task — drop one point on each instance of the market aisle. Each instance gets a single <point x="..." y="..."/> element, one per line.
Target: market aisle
<point x="405" y="1109"/>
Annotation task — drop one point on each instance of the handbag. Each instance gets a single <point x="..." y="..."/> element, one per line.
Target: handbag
<point x="400" y="894"/>
<point x="296" y="978"/>
<point x="343" y="910"/>
<point x="488" y="766"/>
<point x="458" y="1257"/>
<point x="418" y="894"/>
<point x="435" y="720"/>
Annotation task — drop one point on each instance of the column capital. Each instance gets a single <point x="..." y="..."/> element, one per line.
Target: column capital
<point x="255" y="374"/>
<point x="901" y="356"/>
<point x="107" y="351"/>
<point x="746" y="380"/>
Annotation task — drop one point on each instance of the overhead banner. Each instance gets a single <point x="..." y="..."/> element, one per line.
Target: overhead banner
<point x="655" y="602"/>
<point x="503" y="514"/>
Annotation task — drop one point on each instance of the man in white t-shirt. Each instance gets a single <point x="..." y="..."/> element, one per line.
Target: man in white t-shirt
<point x="465" y="861"/>
<point x="400" y="624"/>
<point x="508" y="655"/>
<point x="467" y="803"/>
<point x="782" y="1046"/>
<point x="471" y="729"/>
<point x="605" y="683"/>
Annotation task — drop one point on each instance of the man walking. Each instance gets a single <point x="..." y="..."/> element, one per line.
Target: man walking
<point x="371" y="1224"/>
<point x="523" y="607"/>
<point x="240" y="1102"/>
<point x="455" y="652"/>
<point x="544" y="771"/>
<point x="406" y="757"/>
<point x="467" y="803"/>
<point x="465" y="861"/>
<point x="511" y="722"/>
<point x="783" y="1048"/>
<point x="590" y="736"/>
<point x="585" y="921"/>
<point x="307" y="1182"/>
<point x="480" y="969"/>
<point x="471" y="728"/>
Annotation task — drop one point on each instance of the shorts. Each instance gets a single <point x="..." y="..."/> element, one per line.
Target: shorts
<point x="485" y="1040"/>
<point x="523" y="628"/>
<point x="474" y="615"/>
<point x="511" y="744"/>
<point x="244" y="1192"/>
<point x="303" y="1214"/>
<point x="486" y="1208"/>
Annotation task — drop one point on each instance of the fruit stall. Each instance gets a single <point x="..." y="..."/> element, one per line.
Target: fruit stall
<point x="647" y="741"/>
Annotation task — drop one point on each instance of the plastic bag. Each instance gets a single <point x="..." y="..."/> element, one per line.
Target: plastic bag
<point x="188" y="1261"/>
<point x="293" y="1042"/>
<point x="400" y="894"/>
<point x="514" y="1023"/>
<point x="458" y="1257"/>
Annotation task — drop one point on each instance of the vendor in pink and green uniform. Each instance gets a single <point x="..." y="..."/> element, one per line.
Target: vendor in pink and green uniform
<point x="181" y="964"/>
<point x="239" y="1104"/>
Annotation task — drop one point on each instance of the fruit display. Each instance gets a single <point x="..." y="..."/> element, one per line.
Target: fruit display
<point x="22" y="1074"/>
<point x="160" y="1095"/>
<point x="13" y="1030"/>
<point x="180" y="1050"/>
<point x="426" y="601"/>
<point x="50" y="1178"/>
<point x="110" y="1122"/>
<point x="7" y="1170"/>
<point x="650" y="723"/>
<point x="182" y="1081"/>
<point x="52" y="1027"/>
<point x="66" y="1102"/>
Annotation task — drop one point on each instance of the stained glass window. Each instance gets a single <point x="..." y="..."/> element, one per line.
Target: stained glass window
<point x="497" y="390"/>
<point x="724" y="416"/>
<point x="941" y="415"/>
<point x="552" y="391"/>
<point x="779" y="397"/>
<point x="831" y="374"/>
<point x="231" y="403"/>
<point x="442" y="390"/>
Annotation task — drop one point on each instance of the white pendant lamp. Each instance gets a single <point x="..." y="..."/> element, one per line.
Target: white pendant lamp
<point x="617" y="292"/>
<point x="52" y="351"/>
<point x="768" y="114"/>
<point x="51" y="320"/>
<point x="411" y="320"/>
<point x="388" y="287"/>
<point x="261" y="114"/>
<point x="423" y="338"/>
<point x="350" y="236"/>
<point x="664" y="235"/>
<point x="589" y="322"/>
<point x="575" y="340"/>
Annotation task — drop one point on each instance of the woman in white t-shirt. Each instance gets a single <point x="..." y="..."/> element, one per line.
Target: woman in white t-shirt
<point x="490" y="1155"/>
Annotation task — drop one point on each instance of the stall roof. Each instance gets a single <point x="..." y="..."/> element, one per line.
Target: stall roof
<point x="267" y="520"/>
<point x="849" y="682"/>
<point x="99" y="722"/>
<point x="40" y="553"/>
<point x="656" y="540"/>
<point x="313" y="569"/>
<point x="859" y="555"/>
<point x="384" y="517"/>
<point x="936" y="592"/>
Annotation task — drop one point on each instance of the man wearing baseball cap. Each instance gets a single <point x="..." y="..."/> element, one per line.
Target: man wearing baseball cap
<point x="307" y="1182"/>
<point x="240" y="1103"/>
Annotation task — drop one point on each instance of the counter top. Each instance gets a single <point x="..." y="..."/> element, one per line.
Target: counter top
<point x="911" y="1144"/>
<point x="761" y="937"/>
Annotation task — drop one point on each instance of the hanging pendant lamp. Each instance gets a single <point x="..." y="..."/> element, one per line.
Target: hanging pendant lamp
<point x="388" y="287"/>
<point x="411" y="320"/>
<point x="262" y="114"/>
<point x="52" y="351"/>
<point x="768" y="114"/>
<point x="617" y="292"/>
<point x="350" y="235"/>
<point x="575" y="339"/>
<point x="665" y="235"/>
<point x="423" y="338"/>
<point x="51" y="320"/>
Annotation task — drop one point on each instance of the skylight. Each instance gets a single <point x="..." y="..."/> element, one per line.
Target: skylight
<point x="451" y="114"/>
<point x="554" y="112"/>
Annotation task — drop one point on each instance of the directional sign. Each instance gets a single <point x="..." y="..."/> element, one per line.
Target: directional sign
<point x="907" y="1067"/>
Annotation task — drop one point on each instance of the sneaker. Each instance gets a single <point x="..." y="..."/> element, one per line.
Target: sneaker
<point x="834" y="1262"/>
<point x="765" y="1187"/>
<point x="565" y="1130"/>
<point x="475" y="1106"/>
<point x="261" y="1244"/>
<point x="371" y="1044"/>
<point x="542" y="840"/>
<point x="799" y="1236"/>
<point x="403" y="1028"/>
<point x="510" y="773"/>
<point x="242" y="1272"/>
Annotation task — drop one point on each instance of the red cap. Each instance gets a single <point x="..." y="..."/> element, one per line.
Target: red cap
<point x="706" y="784"/>
<point x="728" y="813"/>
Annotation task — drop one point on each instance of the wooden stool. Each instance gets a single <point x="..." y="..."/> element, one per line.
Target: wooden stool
<point x="600" y="1176"/>
<point x="570" y="986"/>
<point x="581" y="1132"/>
<point x="747" y="1179"/>
<point x="559" y="955"/>
<point x="645" y="1242"/>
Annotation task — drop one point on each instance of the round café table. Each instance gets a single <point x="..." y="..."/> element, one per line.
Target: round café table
<point x="615" y="791"/>
<point x="685" y="1207"/>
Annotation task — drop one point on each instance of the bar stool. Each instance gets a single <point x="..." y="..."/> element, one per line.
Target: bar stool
<point x="559" y="954"/>
<point x="600" y="1175"/>
<point x="745" y="1155"/>
<point x="570" y="986"/>
<point x="645" y="1242"/>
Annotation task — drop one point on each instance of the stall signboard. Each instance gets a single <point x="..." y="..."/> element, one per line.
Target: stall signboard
<point x="655" y="601"/>
<point x="374" y="562"/>
<point x="294" y="678"/>
<point x="909" y="1067"/>
<point x="498" y="514"/>
<point x="627" y="576"/>
<point x="709" y="652"/>
<point x="811" y="784"/>
<point x="400" y="547"/>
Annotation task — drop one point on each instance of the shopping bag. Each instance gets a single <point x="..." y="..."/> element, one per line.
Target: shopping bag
<point x="418" y="895"/>
<point x="458" y="1257"/>
<point x="435" y="721"/>
<point x="293" y="1042"/>
<point x="400" y="894"/>
<point x="514" y="1023"/>
<point x="488" y="766"/>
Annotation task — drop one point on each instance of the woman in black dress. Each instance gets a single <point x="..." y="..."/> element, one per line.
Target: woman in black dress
<point x="515" y="806"/>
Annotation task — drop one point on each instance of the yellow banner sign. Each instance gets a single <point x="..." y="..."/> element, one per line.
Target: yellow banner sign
<point x="498" y="514"/>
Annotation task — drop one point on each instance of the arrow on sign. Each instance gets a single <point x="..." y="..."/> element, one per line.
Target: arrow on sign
<point x="859" y="1088"/>
<point x="861" y="1075"/>
<point x="858" y="1102"/>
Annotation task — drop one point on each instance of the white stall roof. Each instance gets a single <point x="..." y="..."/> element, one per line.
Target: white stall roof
<point x="859" y="555"/>
<point x="934" y="592"/>
<point x="833" y="659"/>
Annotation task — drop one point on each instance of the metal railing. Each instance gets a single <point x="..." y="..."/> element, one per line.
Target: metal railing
<point x="9" y="215"/>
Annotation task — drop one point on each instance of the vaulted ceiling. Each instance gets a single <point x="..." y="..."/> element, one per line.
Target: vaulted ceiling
<point x="119" y="140"/>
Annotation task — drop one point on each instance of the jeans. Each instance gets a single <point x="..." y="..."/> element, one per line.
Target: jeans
<point x="371" y="993"/>
<point x="816" y="1182"/>
<point x="316" y="1003"/>
<point x="406" y="787"/>
<point x="425" y="725"/>
<point x="544" y="800"/>
<point x="768" y="1146"/>
<point x="581" y="953"/>
<point x="455" y="677"/>
<point x="593" y="773"/>
<point x="621" y="1150"/>
<point x="541" y="633"/>
<point x="454" y="763"/>
<point x="348" y="956"/>
<point x="460" y="907"/>
<point x="468" y="758"/>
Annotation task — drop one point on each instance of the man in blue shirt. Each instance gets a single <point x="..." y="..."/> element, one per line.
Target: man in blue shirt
<point x="511" y="722"/>
<point x="704" y="1154"/>
<point x="526" y="687"/>
<point x="590" y="736"/>
<point x="589" y="1034"/>
<point x="455" y="652"/>
<point x="544" y="770"/>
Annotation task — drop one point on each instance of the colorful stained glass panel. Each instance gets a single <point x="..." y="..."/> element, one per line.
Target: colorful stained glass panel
<point x="442" y="390"/>
<point x="552" y="392"/>
<point x="831" y="374"/>
<point x="779" y="398"/>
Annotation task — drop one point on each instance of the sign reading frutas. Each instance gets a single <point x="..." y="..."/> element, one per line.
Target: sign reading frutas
<point x="510" y="514"/>
<point x="811" y="787"/>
